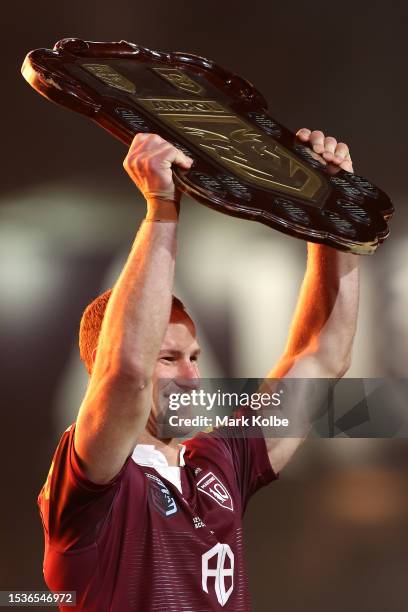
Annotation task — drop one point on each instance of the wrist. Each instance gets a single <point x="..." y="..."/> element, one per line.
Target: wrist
<point x="159" y="209"/>
<point x="321" y="257"/>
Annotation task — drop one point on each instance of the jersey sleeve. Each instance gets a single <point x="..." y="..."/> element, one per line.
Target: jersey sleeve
<point x="72" y="508"/>
<point x="246" y="450"/>
<point x="252" y="466"/>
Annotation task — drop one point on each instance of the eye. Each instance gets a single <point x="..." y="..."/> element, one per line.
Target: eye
<point x="194" y="358"/>
<point x="168" y="358"/>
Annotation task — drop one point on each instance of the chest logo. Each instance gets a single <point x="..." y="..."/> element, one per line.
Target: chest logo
<point x="160" y="496"/>
<point x="222" y="571"/>
<point x="213" y="487"/>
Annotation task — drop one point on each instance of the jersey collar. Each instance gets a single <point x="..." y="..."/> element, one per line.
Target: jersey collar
<point x="148" y="455"/>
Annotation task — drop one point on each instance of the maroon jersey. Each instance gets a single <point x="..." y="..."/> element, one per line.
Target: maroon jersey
<point x="139" y="544"/>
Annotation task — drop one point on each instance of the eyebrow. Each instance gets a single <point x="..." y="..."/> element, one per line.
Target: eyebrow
<point x="179" y="353"/>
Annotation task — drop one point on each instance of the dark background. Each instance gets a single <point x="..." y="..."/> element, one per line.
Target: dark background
<point x="332" y="533"/>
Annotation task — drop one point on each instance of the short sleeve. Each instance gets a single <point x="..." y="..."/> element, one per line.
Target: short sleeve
<point x="72" y="508"/>
<point x="247" y="450"/>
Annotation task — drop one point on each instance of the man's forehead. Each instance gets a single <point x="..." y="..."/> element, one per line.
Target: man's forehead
<point x="180" y="335"/>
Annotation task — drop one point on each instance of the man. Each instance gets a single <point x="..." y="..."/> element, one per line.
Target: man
<point x="134" y="522"/>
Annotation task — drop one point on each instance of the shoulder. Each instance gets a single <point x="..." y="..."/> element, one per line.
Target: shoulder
<point x="201" y="438"/>
<point x="210" y="445"/>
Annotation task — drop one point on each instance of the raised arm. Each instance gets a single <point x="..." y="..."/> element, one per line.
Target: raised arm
<point x="324" y="322"/>
<point x="117" y="403"/>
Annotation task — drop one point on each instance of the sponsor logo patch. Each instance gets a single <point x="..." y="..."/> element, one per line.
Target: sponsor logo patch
<point x="160" y="496"/>
<point x="213" y="487"/>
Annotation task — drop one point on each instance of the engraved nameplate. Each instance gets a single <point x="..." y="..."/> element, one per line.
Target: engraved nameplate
<point x="255" y="156"/>
<point x="110" y="76"/>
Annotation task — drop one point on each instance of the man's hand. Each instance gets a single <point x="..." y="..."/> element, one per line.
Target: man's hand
<point x="326" y="149"/>
<point x="148" y="164"/>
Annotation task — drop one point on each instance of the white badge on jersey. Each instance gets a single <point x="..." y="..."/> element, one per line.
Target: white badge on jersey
<point x="220" y="572"/>
<point x="212" y="486"/>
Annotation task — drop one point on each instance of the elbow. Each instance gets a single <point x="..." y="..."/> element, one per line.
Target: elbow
<point x="336" y="366"/>
<point x="334" y="357"/>
<point x="329" y="364"/>
<point x="130" y="373"/>
<point x="133" y="374"/>
<point x="119" y="367"/>
<point x="344" y="367"/>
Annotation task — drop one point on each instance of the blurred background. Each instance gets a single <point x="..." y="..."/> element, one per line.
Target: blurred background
<point x="332" y="533"/>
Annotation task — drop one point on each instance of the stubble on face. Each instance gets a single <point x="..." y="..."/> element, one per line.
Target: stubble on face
<point x="174" y="374"/>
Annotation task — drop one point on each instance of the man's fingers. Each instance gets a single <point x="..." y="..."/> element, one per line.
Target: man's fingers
<point x="326" y="148"/>
<point x="330" y="144"/>
<point x="153" y="141"/>
<point x="341" y="152"/>
<point x="303" y="134"/>
<point x="347" y="165"/>
<point x="317" y="141"/>
<point x="182" y="160"/>
<point x="136" y="147"/>
<point x="157" y="151"/>
<point x="146" y="143"/>
<point x="168" y="155"/>
<point x="156" y="145"/>
<point x="138" y="139"/>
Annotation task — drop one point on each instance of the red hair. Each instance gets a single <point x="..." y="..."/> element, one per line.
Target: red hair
<point x="91" y="323"/>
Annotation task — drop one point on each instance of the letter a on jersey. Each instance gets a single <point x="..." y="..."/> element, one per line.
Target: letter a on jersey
<point x="212" y="486"/>
<point x="220" y="572"/>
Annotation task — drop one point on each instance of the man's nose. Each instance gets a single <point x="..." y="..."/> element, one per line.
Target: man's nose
<point x="188" y="377"/>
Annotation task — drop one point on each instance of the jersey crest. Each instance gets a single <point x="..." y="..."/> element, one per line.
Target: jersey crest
<point x="212" y="486"/>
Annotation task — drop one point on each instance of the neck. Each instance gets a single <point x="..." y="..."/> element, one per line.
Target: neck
<point x="170" y="447"/>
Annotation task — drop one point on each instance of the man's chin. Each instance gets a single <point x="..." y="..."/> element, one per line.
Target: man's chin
<point x="174" y="423"/>
<point x="167" y="431"/>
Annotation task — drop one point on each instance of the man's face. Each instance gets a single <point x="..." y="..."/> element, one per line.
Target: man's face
<point x="177" y="368"/>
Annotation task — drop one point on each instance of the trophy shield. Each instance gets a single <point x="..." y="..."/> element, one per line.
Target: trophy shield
<point x="246" y="164"/>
